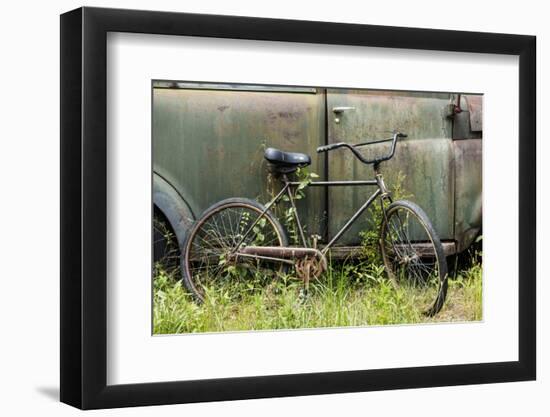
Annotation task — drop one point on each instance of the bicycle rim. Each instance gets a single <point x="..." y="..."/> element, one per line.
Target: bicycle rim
<point x="413" y="255"/>
<point x="210" y="264"/>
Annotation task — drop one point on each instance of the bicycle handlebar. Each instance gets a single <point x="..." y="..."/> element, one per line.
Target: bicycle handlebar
<point x="353" y="147"/>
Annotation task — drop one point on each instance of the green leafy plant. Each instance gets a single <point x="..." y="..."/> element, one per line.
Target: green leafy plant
<point x="285" y="211"/>
<point x="370" y="237"/>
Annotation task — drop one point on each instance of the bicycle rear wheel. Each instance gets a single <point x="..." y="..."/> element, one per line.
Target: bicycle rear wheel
<point x="413" y="255"/>
<point x="208" y="264"/>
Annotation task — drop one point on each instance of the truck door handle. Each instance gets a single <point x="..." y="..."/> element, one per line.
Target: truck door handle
<point x="341" y="109"/>
<point x="338" y="111"/>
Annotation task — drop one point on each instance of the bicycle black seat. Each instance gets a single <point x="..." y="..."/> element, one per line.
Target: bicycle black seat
<point x="286" y="162"/>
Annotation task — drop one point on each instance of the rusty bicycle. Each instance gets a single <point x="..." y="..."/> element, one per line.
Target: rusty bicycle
<point x="241" y="241"/>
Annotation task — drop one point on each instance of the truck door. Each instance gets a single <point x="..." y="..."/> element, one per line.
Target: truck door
<point x="423" y="160"/>
<point x="209" y="140"/>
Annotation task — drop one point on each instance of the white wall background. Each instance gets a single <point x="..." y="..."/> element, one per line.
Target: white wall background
<point x="29" y="213"/>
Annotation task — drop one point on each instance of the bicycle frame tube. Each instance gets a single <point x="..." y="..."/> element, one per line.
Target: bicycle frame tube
<point x="267" y="207"/>
<point x="336" y="184"/>
<point x="351" y="221"/>
<point x="287" y="189"/>
<point x="291" y="199"/>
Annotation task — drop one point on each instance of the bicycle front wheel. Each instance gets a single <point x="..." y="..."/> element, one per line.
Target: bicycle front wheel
<point x="413" y="255"/>
<point x="208" y="261"/>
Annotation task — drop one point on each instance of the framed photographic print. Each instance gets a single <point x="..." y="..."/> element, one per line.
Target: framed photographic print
<point x="259" y="207"/>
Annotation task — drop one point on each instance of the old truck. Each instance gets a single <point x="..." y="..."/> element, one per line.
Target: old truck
<point x="208" y="143"/>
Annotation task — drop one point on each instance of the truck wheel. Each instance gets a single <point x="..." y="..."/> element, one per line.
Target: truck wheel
<point x="165" y="245"/>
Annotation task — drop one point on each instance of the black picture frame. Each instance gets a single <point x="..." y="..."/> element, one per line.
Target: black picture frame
<point x="84" y="207"/>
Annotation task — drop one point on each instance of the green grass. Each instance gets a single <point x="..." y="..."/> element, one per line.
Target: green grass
<point x="349" y="294"/>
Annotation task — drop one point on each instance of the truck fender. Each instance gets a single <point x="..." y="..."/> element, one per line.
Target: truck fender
<point x="173" y="207"/>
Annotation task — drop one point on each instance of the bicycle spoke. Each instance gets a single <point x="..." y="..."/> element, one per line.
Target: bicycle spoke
<point x="212" y="260"/>
<point x="410" y="255"/>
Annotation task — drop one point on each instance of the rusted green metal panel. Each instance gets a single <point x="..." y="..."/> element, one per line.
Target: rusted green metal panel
<point x="375" y="114"/>
<point x="467" y="147"/>
<point x="468" y="120"/>
<point x="209" y="143"/>
<point x="425" y="158"/>
<point x="468" y="191"/>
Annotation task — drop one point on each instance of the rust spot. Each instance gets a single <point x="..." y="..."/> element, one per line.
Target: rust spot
<point x="289" y="114"/>
<point x="291" y="135"/>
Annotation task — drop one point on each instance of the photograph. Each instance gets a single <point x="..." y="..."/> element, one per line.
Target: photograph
<point x="282" y="207"/>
